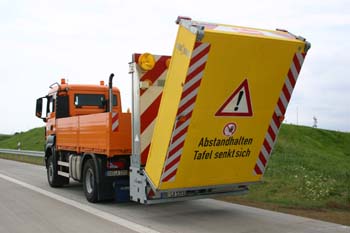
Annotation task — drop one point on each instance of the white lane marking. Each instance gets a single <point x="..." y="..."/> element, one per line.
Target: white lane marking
<point x="99" y="213"/>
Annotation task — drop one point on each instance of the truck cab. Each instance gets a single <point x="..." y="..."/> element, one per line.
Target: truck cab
<point x="67" y="100"/>
<point x="85" y="122"/>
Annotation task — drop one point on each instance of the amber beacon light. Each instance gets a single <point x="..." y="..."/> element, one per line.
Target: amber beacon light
<point x="146" y="61"/>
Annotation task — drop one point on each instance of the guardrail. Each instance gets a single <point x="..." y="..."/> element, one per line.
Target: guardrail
<point x="23" y="152"/>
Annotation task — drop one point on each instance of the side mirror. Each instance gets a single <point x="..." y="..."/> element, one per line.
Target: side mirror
<point x="40" y="107"/>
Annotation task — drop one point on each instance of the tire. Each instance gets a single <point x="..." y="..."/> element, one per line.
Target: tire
<point x="53" y="178"/>
<point x="90" y="181"/>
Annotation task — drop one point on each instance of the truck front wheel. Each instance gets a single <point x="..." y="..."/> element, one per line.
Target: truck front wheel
<point x="52" y="177"/>
<point x="90" y="181"/>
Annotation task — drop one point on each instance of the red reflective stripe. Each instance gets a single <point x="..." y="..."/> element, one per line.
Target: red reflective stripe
<point x="176" y="149"/>
<point x="179" y="123"/>
<point x="291" y="78"/>
<point x="257" y="170"/>
<point x="150" y="113"/>
<point x="156" y="72"/>
<point x="192" y="88"/>
<point x="180" y="134"/>
<point x="200" y="55"/>
<point x="276" y="120"/>
<point x="286" y="92"/>
<point x="195" y="73"/>
<point x="262" y="158"/>
<point x="114" y="120"/>
<point x="271" y="133"/>
<point x="115" y="117"/>
<point x="158" y="69"/>
<point x="144" y="154"/>
<point x="171" y="175"/>
<point x="267" y="146"/>
<point x="137" y="56"/>
<point x="170" y="165"/>
<point x="296" y="63"/>
<point x="151" y="193"/>
<point x="186" y="105"/>
<point x="197" y="44"/>
<point x="281" y="106"/>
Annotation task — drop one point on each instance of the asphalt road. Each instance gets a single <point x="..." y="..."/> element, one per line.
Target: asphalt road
<point x="28" y="204"/>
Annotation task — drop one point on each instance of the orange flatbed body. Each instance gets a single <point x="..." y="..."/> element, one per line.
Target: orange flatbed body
<point x="93" y="134"/>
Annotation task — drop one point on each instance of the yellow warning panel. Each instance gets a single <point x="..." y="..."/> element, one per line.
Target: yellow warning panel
<point x="215" y="114"/>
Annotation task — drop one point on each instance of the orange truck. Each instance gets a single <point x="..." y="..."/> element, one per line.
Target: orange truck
<point x="203" y="122"/>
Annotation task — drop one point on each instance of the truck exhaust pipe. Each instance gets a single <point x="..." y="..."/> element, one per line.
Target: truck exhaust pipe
<point x="110" y="92"/>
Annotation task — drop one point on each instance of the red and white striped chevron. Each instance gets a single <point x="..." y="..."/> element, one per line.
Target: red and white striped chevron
<point x="115" y="121"/>
<point x="183" y="117"/>
<point x="278" y="115"/>
<point x="150" y="101"/>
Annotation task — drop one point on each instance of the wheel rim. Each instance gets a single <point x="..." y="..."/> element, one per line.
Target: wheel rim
<point x="50" y="172"/>
<point x="89" y="180"/>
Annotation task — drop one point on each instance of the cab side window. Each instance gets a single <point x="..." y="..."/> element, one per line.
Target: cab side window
<point x="62" y="106"/>
<point x="81" y="100"/>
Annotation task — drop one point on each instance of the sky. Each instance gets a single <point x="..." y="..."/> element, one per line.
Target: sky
<point x="84" y="41"/>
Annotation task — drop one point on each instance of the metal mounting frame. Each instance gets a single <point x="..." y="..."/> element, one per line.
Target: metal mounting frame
<point x="194" y="28"/>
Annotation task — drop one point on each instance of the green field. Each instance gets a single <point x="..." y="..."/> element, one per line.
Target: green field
<point x="30" y="140"/>
<point x="309" y="170"/>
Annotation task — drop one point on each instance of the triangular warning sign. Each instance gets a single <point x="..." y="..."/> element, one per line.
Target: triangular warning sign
<point x="238" y="104"/>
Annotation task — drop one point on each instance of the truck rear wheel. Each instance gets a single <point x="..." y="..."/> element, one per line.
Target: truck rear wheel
<point x="53" y="178"/>
<point x="90" y="181"/>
